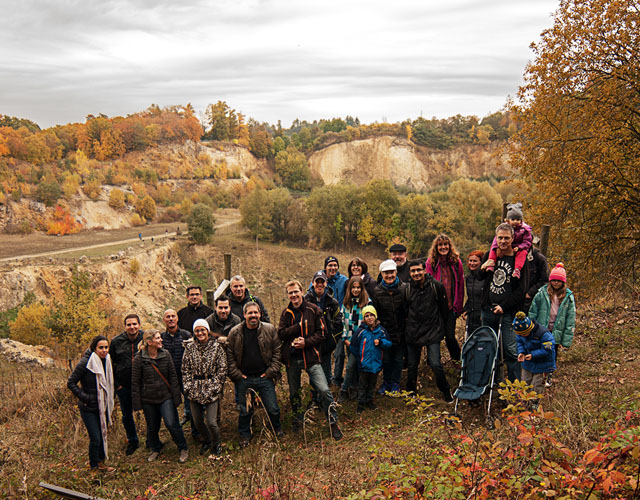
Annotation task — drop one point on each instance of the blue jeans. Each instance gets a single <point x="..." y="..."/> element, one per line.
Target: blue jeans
<point x="392" y="365"/>
<point x="433" y="358"/>
<point x="318" y="382"/>
<point x="154" y="414"/>
<point x="338" y="362"/>
<point x="326" y="368"/>
<point x="509" y="343"/>
<point x="266" y="389"/>
<point x="351" y="377"/>
<point x="96" y="445"/>
<point x="126" y="406"/>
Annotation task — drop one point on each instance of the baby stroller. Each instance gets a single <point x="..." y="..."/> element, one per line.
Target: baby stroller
<point x="479" y="357"/>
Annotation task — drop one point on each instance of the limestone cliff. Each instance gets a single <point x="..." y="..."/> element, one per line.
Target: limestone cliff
<point x="404" y="163"/>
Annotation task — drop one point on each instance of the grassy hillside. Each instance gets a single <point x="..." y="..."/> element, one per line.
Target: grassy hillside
<point x="401" y="450"/>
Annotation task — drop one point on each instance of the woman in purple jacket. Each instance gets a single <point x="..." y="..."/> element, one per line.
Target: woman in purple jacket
<point x="444" y="264"/>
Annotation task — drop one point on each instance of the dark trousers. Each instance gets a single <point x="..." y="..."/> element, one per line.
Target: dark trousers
<point x="126" y="406"/>
<point x="509" y="343"/>
<point x="154" y="414"/>
<point x="318" y="381"/>
<point x="366" y="387"/>
<point x="392" y="365"/>
<point x="205" y="418"/>
<point x="96" y="445"/>
<point x="351" y="377"/>
<point x="433" y="358"/>
<point x="266" y="389"/>
<point x="338" y="362"/>
<point x="450" y="336"/>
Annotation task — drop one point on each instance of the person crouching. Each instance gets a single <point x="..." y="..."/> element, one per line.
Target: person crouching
<point x="367" y="345"/>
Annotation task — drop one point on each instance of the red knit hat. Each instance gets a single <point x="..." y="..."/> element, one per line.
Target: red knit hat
<point x="558" y="273"/>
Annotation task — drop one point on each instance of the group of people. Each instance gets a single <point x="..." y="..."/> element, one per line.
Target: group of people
<point x="370" y="325"/>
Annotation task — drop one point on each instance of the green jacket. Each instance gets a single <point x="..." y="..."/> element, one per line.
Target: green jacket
<point x="565" y="323"/>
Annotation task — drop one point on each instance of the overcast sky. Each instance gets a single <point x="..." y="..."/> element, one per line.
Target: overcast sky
<point x="61" y="60"/>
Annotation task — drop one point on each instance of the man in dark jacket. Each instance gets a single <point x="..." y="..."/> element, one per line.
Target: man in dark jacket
<point x="504" y="296"/>
<point x="389" y="299"/>
<point x="253" y="356"/>
<point x="239" y="295"/>
<point x="398" y="254"/>
<point x="538" y="276"/>
<point x="322" y="296"/>
<point x="222" y="320"/>
<point x="173" y="340"/>
<point x="301" y="330"/>
<point x="122" y="350"/>
<point x="427" y="311"/>
<point x="194" y="310"/>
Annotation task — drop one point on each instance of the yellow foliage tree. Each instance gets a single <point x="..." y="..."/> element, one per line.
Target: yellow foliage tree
<point x="116" y="199"/>
<point x="30" y="326"/>
<point x="146" y="207"/>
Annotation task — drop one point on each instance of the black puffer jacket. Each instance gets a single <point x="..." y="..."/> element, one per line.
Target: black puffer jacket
<point x="427" y="310"/>
<point x="87" y="391"/>
<point x="174" y="345"/>
<point x="122" y="351"/>
<point x="147" y="387"/>
<point x="473" y="306"/>
<point x="391" y="306"/>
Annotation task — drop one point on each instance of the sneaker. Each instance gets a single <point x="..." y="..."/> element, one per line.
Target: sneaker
<point x="131" y="448"/>
<point x="184" y="420"/>
<point x="336" y="433"/>
<point x="153" y="456"/>
<point x="549" y="381"/>
<point x="204" y="448"/>
<point x="360" y="409"/>
<point x="184" y="456"/>
<point x="383" y="388"/>
<point x="448" y="398"/>
<point x="395" y="388"/>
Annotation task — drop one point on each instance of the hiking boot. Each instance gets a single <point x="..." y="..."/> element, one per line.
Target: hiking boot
<point x="216" y="450"/>
<point x="342" y="396"/>
<point x="204" y="448"/>
<point x="336" y="433"/>
<point x="184" y="456"/>
<point x="153" y="456"/>
<point x="131" y="448"/>
<point x="395" y="388"/>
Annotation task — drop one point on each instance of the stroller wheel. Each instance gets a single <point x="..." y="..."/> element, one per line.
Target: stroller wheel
<point x="489" y="422"/>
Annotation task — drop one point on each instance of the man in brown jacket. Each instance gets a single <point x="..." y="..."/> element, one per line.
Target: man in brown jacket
<point x="253" y="357"/>
<point x="302" y="330"/>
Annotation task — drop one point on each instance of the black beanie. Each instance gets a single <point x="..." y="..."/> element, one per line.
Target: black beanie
<point x="329" y="259"/>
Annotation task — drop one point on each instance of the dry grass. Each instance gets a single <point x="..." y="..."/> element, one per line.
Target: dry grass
<point x="43" y="439"/>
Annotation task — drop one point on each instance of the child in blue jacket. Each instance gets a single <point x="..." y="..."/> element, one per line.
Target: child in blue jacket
<point x="536" y="351"/>
<point x="367" y="345"/>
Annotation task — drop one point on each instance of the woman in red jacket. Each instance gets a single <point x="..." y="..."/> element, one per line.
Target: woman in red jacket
<point x="444" y="264"/>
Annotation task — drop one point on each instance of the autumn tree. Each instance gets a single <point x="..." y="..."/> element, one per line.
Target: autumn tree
<point x="116" y="198"/>
<point x="146" y="207"/>
<point x="221" y="122"/>
<point x="579" y="145"/>
<point x="292" y="167"/>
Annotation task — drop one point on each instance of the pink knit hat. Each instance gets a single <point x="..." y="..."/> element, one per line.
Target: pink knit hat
<point x="558" y="273"/>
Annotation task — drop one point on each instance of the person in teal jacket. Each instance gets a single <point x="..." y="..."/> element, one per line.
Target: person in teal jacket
<point x="367" y="345"/>
<point x="554" y="307"/>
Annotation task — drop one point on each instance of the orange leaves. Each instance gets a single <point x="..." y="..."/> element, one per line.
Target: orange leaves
<point x="62" y="222"/>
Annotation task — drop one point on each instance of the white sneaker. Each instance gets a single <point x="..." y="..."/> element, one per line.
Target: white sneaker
<point x="549" y="381"/>
<point x="184" y="455"/>
<point x="153" y="456"/>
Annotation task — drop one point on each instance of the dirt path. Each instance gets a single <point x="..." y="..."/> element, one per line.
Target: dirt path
<point x="15" y="247"/>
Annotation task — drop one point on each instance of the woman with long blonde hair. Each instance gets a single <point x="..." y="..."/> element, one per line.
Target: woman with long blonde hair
<point x="444" y="265"/>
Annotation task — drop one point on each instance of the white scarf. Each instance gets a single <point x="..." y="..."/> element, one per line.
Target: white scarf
<point x="104" y="383"/>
